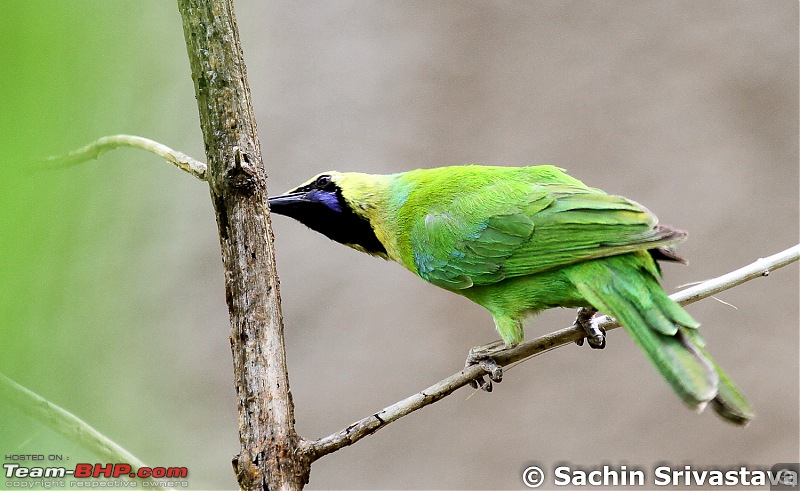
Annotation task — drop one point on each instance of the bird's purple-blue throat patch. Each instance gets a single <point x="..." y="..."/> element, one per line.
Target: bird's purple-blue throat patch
<point x="329" y="199"/>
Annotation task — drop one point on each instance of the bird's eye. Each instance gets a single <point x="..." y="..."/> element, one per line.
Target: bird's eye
<point x="323" y="182"/>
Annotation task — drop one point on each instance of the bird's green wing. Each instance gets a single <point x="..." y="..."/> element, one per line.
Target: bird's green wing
<point x="503" y="231"/>
<point x="583" y="224"/>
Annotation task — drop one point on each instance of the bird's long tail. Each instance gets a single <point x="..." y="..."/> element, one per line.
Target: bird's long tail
<point x="626" y="288"/>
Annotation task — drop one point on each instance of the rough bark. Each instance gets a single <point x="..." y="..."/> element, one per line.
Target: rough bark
<point x="237" y="180"/>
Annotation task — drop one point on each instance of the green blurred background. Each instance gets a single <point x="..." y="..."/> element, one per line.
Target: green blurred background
<point x="111" y="288"/>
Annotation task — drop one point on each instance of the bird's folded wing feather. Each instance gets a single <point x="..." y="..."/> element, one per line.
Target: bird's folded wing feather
<point x="498" y="232"/>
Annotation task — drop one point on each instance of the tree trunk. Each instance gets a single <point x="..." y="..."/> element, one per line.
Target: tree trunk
<point x="269" y="458"/>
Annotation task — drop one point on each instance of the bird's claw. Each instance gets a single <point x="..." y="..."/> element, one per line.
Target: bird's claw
<point x="597" y="340"/>
<point x="482" y="356"/>
<point x="594" y="334"/>
<point x="494" y="370"/>
<point x="494" y="373"/>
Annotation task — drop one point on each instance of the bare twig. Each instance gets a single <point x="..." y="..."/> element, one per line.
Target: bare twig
<point x="371" y="424"/>
<point x="761" y="267"/>
<point x="67" y="424"/>
<point x="112" y="142"/>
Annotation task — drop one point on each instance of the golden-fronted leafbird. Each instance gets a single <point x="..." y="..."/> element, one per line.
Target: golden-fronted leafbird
<point x="518" y="240"/>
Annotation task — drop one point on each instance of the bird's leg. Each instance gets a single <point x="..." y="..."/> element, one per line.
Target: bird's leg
<point x="594" y="334"/>
<point x="482" y="355"/>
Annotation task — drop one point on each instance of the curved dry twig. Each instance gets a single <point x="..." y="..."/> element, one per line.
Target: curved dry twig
<point x="369" y="425"/>
<point x="102" y="145"/>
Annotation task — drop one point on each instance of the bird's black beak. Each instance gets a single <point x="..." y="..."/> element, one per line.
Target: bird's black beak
<point x="285" y="203"/>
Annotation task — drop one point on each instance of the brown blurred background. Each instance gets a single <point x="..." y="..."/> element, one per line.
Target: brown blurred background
<point x="689" y="107"/>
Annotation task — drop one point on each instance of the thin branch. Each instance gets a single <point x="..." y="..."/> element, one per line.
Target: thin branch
<point x="761" y="267"/>
<point x="112" y="142"/>
<point x="526" y="350"/>
<point x="67" y="424"/>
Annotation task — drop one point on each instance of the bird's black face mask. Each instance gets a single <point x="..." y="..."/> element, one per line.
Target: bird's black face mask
<point x="320" y="206"/>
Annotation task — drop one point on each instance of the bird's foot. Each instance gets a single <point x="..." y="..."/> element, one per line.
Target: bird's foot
<point x="482" y="355"/>
<point x="588" y="322"/>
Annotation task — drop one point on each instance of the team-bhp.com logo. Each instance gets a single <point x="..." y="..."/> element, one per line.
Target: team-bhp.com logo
<point x="84" y="470"/>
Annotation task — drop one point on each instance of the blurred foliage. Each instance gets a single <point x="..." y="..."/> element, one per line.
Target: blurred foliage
<point x="72" y="239"/>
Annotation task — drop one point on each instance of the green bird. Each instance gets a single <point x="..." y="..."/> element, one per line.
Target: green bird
<point x="519" y="240"/>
